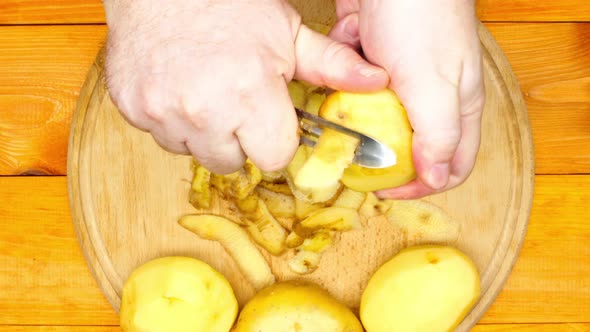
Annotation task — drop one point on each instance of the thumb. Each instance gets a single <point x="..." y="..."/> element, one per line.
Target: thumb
<point x="433" y="109"/>
<point x="325" y="62"/>
<point x="346" y="30"/>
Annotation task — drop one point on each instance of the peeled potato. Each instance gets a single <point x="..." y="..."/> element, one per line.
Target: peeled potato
<point x="296" y="306"/>
<point x="426" y="288"/>
<point x="177" y="294"/>
<point x="381" y="116"/>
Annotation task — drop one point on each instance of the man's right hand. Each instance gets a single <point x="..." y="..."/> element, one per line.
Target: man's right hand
<point x="210" y="78"/>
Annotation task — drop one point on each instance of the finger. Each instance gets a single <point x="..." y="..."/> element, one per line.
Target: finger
<point x="346" y="7"/>
<point x="269" y="134"/>
<point x="169" y="142"/>
<point x="220" y="154"/>
<point x="325" y="62"/>
<point x="432" y="104"/>
<point x="461" y="165"/>
<point x="412" y="190"/>
<point x="466" y="154"/>
<point x="172" y="132"/>
<point x="346" y="31"/>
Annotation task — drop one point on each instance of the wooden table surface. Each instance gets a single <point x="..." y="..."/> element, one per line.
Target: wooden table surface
<point x="46" y="47"/>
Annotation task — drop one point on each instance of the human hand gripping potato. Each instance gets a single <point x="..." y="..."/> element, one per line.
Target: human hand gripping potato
<point x="210" y="78"/>
<point x="432" y="53"/>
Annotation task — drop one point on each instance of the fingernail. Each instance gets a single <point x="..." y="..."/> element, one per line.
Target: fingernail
<point x="368" y="71"/>
<point x="439" y="175"/>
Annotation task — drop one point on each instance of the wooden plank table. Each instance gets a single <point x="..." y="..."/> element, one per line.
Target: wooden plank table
<point x="46" y="48"/>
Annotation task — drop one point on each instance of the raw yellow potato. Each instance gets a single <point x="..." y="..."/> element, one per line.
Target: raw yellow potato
<point x="330" y="218"/>
<point x="296" y="306"/>
<point x="236" y="242"/>
<point x="200" y="194"/>
<point x="426" y="288"/>
<point x="323" y="169"/>
<point x="381" y="116"/>
<point x="279" y="205"/>
<point x="297" y="94"/>
<point x="423" y="221"/>
<point x="240" y="184"/>
<point x="373" y="206"/>
<point x="281" y="188"/>
<point x="349" y="198"/>
<point x="177" y="294"/>
<point x="305" y="262"/>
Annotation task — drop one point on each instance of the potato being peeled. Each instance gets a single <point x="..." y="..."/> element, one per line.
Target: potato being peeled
<point x="424" y="288"/>
<point x="381" y="116"/>
<point x="296" y="306"/>
<point x="177" y="294"/>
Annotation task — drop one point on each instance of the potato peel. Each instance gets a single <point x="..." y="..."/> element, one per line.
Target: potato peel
<point x="279" y="205"/>
<point x="266" y="230"/>
<point x="373" y="206"/>
<point x="349" y="198"/>
<point x="331" y="218"/>
<point x="200" y="193"/>
<point x="423" y="221"/>
<point x="236" y="242"/>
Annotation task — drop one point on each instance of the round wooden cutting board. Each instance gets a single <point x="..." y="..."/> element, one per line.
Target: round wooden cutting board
<point x="127" y="195"/>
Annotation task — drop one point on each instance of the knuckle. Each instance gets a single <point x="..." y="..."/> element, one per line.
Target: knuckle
<point x="335" y="50"/>
<point x="198" y="117"/>
<point x="154" y="113"/>
<point x="441" y="142"/>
